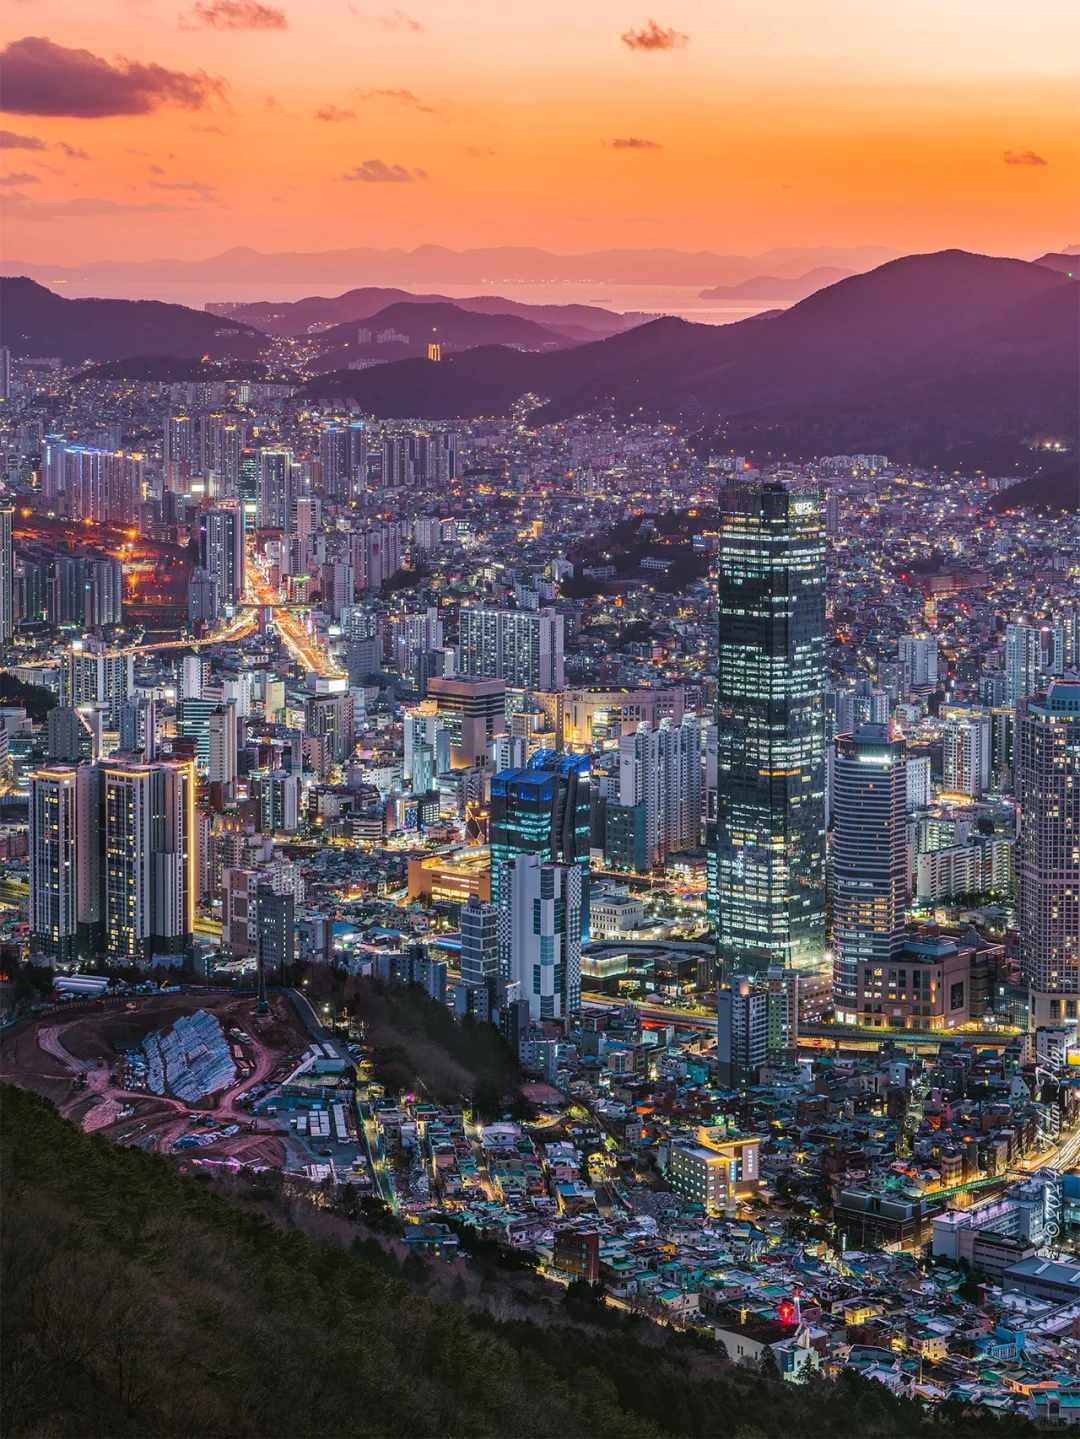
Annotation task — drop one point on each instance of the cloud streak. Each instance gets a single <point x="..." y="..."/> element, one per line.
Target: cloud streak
<point x="1023" y="157"/>
<point x="405" y="96"/>
<point x="41" y="78"/>
<point x="633" y="142"/>
<point x="378" y="172"/>
<point x="333" y="114"/>
<point x="194" y="187"/>
<point x="234" y="15"/>
<point x="398" y="20"/>
<point x="9" y="140"/>
<point x="653" y="37"/>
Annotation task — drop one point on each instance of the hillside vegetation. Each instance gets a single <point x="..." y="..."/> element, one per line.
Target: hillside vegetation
<point x="137" y="1301"/>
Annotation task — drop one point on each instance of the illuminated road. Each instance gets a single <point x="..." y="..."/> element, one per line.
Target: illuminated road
<point x="289" y="628"/>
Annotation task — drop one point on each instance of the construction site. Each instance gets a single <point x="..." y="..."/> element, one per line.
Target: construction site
<point x="170" y="1073"/>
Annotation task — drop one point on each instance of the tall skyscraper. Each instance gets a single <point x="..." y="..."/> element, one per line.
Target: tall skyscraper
<point x="870" y="866"/>
<point x="275" y="489"/>
<point x="149" y="859"/>
<point x="7" y="576"/>
<point x="93" y="678"/>
<point x="770" y="867"/>
<point x="221" y="551"/>
<point x="542" y="810"/>
<point x="1048" y="850"/>
<point x="54" y="870"/>
<point x="540" y="924"/>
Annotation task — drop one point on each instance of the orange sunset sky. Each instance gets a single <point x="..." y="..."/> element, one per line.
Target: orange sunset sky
<point x="140" y="128"/>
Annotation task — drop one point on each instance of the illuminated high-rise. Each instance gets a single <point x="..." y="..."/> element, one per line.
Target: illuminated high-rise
<point x="770" y="825"/>
<point x="869" y="861"/>
<point x="1048" y="850"/>
<point x="148" y="876"/>
<point x="542" y="810"/>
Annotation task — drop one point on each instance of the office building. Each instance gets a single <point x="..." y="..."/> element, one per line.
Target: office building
<point x="476" y="711"/>
<point x="714" y="1175"/>
<point x="770" y="866"/>
<point x="742" y="1031"/>
<point x="1048" y="849"/>
<point x="542" y="810"/>
<point x="540" y="928"/>
<point x="918" y="788"/>
<point x="479" y="941"/>
<point x="869" y="857"/>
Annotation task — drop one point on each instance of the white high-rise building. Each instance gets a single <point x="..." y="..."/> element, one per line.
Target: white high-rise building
<point x="917" y="782"/>
<point x="918" y="655"/>
<point x="223" y="746"/>
<point x="540" y="934"/>
<point x="93" y="678"/>
<point x="7" y="575"/>
<point x="968" y="752"/>
<point x="662" y="769"/>
<point x="523" y="647"/>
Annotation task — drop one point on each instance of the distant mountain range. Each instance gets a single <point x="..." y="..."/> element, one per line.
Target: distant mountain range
<point x="34" y="321"/>
<point x="296" y="318"/>
<point x="779" y="287"/>
<point x="431" y="264"/>
<point x="920" y="356"/>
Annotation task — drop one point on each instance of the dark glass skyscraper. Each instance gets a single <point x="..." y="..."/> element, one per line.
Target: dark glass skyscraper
<point x="770" y="847"/>
<point x="542" y="809"/>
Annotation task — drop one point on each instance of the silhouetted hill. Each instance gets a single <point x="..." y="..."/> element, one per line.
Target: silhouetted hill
<point x="580" y="322"/>
<point x="34" y="321"/>
<point x="423" y="323"/>
<point x="1065" y="263"/>
<point x="921" y="354"/>
<point x="142" y="1304"/>
<point x="166" y="369"/>
<point x="778" y="287"/>
<point x="1055" y="487"/>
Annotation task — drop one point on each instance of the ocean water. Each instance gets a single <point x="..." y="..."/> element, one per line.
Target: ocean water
<point x="681" y="300"/>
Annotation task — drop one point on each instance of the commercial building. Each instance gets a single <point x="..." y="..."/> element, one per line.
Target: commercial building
<point x="869" y="858"/>
<point x="1048" y="849"/>
<point x="542" y="810"/>
<point x="476" y="709"/>
<point x="742" y="1031"/>
<point x="770" y="727"/>
<point x="479" y="941"/>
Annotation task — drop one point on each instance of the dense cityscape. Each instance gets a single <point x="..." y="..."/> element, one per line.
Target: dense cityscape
<point x="573" y="837"/>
